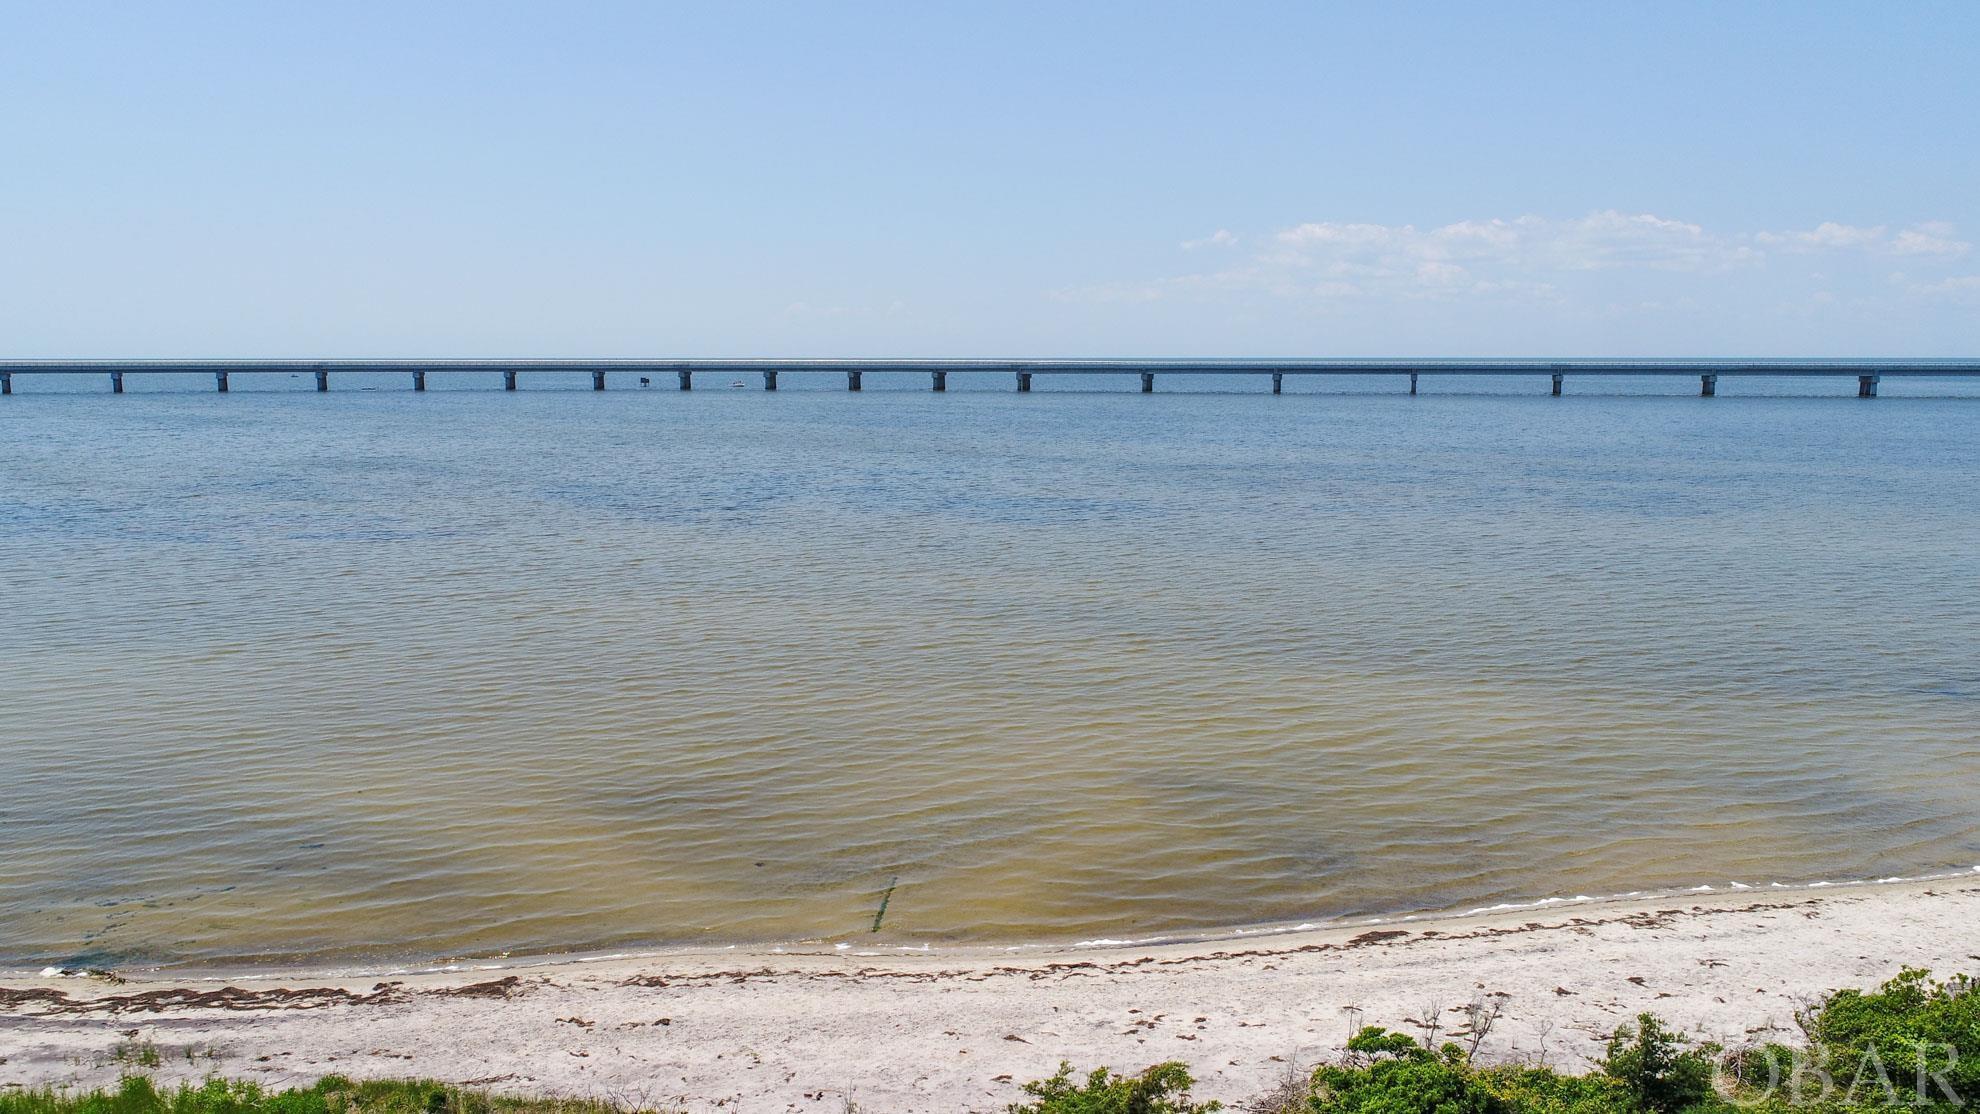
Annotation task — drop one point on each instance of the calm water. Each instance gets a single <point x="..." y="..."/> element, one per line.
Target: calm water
<point x="383" y="675"/>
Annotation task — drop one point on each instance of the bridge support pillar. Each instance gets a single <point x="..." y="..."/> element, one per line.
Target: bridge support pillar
<point x="419" y="380"/>
<point x="1278" y="383"/>
<point x="1148" y="382"/>
<point x="1866" y="386"/>
<point x="322" y="380"/>
<point x="686" y="380"/>
<point x="1024" y="380"/>
<point x="597" y="380"/>
<point x="1412" y="382"/>
<point x="769" y="380"/>
<point x="220" y="381"/>
<point x="941" y="381"/>
<point x="1708" y="386"/>
<point x="1557" y="384"/>
<point x="508" y="380"/>
<point x="6" y="382"/>
<point x="852" y="381"/>
<point x="116" y="382"/>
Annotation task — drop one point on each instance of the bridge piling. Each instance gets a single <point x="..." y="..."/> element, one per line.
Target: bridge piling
<point x="1412" y="382"/>
<point x="852" y="381"/>
<point x="6" y="382"/>
<point x="940" y="381"/>
<point x="685" y="379"/>
<point x="597" y="380"/>
<point x="1708" y="386"/>
<point x="1557" y="384"/>
<point x="220" y="381"/>
<point x="1148" y="382"/>
<point x="116" y="382"/>
<point x="322" y="380"/>
<point x="1866" y="386"/>
<point x="769" y="380"/>
<point x="1278" y="382"/>
<point x="1024" y="381"/>
<point x="508" y="380"/>
<point x="419" y="380"/>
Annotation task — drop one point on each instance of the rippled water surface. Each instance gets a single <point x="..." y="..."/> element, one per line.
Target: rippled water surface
<point x="381" y="675"/>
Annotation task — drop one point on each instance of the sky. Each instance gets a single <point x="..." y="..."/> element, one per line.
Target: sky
<point x="992" y="179"/>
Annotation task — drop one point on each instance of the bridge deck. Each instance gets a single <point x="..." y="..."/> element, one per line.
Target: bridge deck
<point x="1709" y="371"/>
<point x="1959" y="368"/>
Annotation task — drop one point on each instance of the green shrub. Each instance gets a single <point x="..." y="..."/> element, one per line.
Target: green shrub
<point x="1389" y="1073"/>
<point x="1657" y="1068"/>
<point x="1923" y="1034"/>
<point x="1648" y="1070"/>
<point x="1162" y="1089"/>
<point x="1528" y="1090"/>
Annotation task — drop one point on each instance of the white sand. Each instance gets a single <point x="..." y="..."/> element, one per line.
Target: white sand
<point x="947" y="1032"/>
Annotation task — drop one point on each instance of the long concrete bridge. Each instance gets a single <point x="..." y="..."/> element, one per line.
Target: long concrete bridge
<point x="1867" y="372"/>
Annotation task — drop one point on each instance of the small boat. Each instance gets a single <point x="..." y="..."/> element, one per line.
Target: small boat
<point x="738" y="383"/>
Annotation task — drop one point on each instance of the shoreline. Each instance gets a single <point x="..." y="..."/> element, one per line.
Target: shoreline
<point x="943" y="1031"/>
<point x="252" y="971"/>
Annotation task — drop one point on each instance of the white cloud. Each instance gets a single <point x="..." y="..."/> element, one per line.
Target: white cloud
<point x="1933" y="238"/>
<point x="1599" y="241"/>
<point x="1527" y="259"/>
<point x="1828" y="234"/>
<point x="1434" y="273"/>
<point x="1349" y="235"/>
<point x="1962" y="288"/>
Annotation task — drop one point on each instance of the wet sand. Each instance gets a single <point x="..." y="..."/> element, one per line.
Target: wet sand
<point x="797" y="1030"/>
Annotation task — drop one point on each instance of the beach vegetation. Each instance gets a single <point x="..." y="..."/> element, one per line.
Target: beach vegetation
<point x="1289" y="1094"/>
<point x="1537" y="1090"/>
<point x="1647" y="1070"/>
<point x="137" y="1094"/>
<point x="1920" y="1027"/>
<point x="1162" y="1089"/>
<point x="1913" y="1042"/>
<point x="1660" y="1071"/>
<point x="137" y="1054"/>
<point x="1386" y="1072"/>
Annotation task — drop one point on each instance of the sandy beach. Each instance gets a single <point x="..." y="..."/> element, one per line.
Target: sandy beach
<point x="805" y="1030"/>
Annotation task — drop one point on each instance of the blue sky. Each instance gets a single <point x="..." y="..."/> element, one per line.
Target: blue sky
<point x="992" y="179"/>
